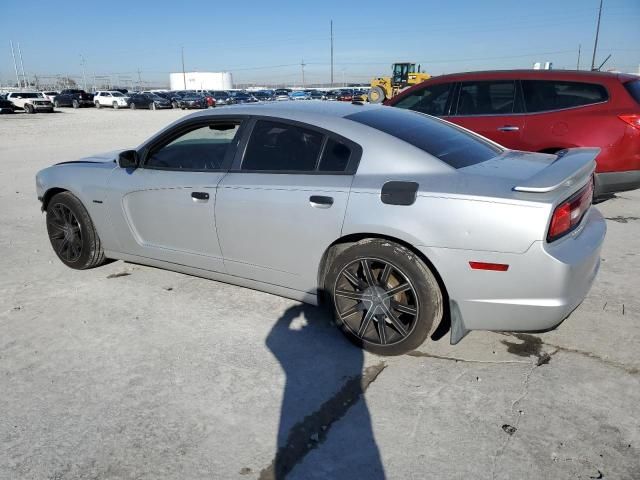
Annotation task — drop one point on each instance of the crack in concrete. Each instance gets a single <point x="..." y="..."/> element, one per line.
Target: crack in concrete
<point x="514" y="426"/>
<point x="313" y="430"/>
<point x="621" y="219"/>
<point x="417" y="353"/>
<point x="584" y="353"/>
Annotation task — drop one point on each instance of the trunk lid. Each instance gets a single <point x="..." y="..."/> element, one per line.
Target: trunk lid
<point x="538" y="173"/>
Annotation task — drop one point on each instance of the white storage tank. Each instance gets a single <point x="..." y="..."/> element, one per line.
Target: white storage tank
<point x="201" y="81"/>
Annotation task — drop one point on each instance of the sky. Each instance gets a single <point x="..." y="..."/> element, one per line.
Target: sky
<point x="262" y="41"/>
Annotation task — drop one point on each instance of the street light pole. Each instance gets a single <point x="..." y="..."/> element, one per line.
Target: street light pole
<point x="84" y="78"/>
<point x="595" y="44"/>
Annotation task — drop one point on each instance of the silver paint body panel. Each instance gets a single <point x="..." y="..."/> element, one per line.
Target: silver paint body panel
<point x="260" y="230"/>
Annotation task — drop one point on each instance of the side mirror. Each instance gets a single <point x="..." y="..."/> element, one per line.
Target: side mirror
<point x="128" y="159"/>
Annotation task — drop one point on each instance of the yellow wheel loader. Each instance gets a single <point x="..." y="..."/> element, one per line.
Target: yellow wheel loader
<point x="404" y="75"/>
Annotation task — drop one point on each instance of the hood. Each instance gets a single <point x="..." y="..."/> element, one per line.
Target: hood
<point x="101" y="158"/>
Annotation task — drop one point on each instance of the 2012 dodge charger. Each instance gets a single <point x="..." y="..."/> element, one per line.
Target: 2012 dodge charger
<point x="397" y="218"/>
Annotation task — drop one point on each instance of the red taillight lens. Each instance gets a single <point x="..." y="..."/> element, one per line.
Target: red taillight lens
<point x="633" y="120"/>
<point x="568" y="215"/>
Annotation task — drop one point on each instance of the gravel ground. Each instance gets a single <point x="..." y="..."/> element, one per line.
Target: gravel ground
<point x="130" y="372"/>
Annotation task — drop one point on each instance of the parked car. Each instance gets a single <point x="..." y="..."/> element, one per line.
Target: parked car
<point x="166" y="95"/>
<point x="50" y="95"/>
<point x="221" y="97"/>
<point x="6" y="106"/>
<point x="545" y="111"/>
<point x="345" y="95"/>
<point x="110" y="98"/>
<point x="192" y="100"/>
<point x="264" y="95"/>
<point x="300" y="200"/>
<point x="30" y="102"/>
<point x="242" y="97"/>
<point x="148" y="100"/>
<point x="299" y="95"/>
<point x="317" y="95"/>
<point x="282" y="94"/>
<point x="73" y="97"/>
<point x="332" y="95"/>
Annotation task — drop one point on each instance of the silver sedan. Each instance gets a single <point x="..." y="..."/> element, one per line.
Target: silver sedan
<point x="399" y="220"/>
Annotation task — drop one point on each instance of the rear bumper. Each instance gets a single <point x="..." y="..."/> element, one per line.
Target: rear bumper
<point x="612" y="182"/>
<point x="539" y="290"/>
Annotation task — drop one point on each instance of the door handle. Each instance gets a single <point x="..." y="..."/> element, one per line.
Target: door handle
<point x="320" y="201"/>
<point x="200" y="197"/>
<point x="508" y="128"/>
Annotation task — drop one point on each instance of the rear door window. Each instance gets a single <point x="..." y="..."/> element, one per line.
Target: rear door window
<point x="452" y="145"/>
<point x="275" y="146"/>
<point x="432" y="100"/>
<point x="486" y="98"/>
<point x="547" y="95"/>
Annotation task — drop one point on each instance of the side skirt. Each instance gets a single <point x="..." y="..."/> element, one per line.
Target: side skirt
<point x="278" y="290"/>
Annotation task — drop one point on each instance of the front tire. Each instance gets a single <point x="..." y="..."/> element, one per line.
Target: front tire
<point x="29" y="108"/>
<point x="132" y="106"/>
<point x="376" y="95"/>
<point x="385" y="299"/>
<point x="115" y="105"/>
<point x="56" y="104"/>
<point x="75" y="104"/>
<point x="152" y="106"/>
<point x="97" y="104"/>
<point x="72" y="234"/>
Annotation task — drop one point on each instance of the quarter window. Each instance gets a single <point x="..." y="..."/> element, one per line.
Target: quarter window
<point x="275" y="146"/>
<point x="335" y="157"/>
<point x="486" y="98"/>
<point x="545" y="95"/>
<point x="430" y="100"/>
<point x="203" y="148"/>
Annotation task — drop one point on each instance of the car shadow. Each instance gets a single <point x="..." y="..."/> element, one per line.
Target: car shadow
<point x="324" y="385"/>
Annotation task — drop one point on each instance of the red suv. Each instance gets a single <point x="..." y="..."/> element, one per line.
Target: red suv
<point x="544" y="111"/>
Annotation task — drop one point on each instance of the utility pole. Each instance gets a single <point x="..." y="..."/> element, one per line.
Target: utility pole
<point x="84" y="78"/>
<point x="578" y="65"/>
<point x="139" y="80"/>
<point x="595" y="44"/>
<point x="331" y="53"/>
<point x="15" y="65"/>
<point x="302" y="64"/>
<point x="24" y="77"/>
<point x="184" y="75"/>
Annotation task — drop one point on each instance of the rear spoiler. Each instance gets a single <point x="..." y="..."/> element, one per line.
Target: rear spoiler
<point x="571" y="166"/>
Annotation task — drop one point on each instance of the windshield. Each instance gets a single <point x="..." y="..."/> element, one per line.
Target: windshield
<point x="453" y="145"/>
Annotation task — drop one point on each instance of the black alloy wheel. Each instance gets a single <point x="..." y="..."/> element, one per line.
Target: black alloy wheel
<point x="376" y="301"/>
<point x="65" y="233"/>
<point x="72" y="234"/>
<point x="385" y="298"/>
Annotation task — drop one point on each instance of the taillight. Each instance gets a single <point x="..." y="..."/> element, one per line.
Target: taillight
<point x="568" y="215"/>
<point x="633" y="120"/>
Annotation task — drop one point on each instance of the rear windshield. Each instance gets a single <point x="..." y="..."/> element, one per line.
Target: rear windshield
<point x="454" y="146"/>
<point x="633" y="87"/>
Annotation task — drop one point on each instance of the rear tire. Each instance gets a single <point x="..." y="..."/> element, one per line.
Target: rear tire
<point x="29" y="108"/>
<point x="97" y="104"/>
<point x="56" y="104"/>
<point x="132" y="106"/>
<point x="152" y="106"/>
<point x="115" y="105"/>
<point x="75" y="104"/>
<point x="385" y="299"/>
<point x="376" y="95"/>
<point x="72" y="234"/>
